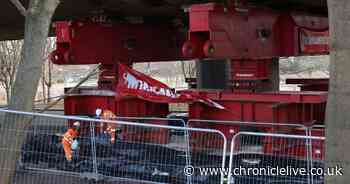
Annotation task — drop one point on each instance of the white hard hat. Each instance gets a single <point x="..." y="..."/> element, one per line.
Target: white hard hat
<point x="76" y="124"/>
<point x="98" y="112"/>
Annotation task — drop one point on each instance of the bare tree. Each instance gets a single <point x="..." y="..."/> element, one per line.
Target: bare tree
<point x="37" y="23"/>
<point x="10" y="56"/>
<point x="38" y="17"/>
<point x="188" y="69"/>
<point x="47" y="71"/>
<point x="296" y="65"/>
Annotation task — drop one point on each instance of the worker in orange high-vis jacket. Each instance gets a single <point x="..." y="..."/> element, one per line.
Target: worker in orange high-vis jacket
<point x="69" y="140"/>
<point x="111" y="127"/>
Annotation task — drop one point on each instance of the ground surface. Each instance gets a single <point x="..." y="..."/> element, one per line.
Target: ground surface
<point x="30" y="178"/>
<point x="33" y="178"/>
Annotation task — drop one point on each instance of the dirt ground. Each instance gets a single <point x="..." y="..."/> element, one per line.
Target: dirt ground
<point x="47" y="178"/>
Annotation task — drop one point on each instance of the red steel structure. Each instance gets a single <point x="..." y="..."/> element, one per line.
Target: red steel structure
<point x="250" y="37"/>
<point x="310" y="84"/>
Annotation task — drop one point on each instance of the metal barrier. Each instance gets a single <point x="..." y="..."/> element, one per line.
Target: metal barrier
<point x="142" y="152"/>
<point x="317" y="148"/>
<point x="231" y="128"/>
<point x="284" y="159"/>
<point x="176" y="137"/>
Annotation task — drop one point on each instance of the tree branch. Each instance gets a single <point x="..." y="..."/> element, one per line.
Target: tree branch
<point x="19" y="7"/>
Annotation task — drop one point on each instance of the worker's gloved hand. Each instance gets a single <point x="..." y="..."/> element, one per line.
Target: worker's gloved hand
<point x="75" y="145"/>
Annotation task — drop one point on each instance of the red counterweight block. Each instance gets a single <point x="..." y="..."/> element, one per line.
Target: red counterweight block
<point x="250" y="69"/>
<point x="250" y="75"/>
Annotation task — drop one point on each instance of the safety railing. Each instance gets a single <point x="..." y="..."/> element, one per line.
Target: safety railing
<point x="316" y="148"/>
<point x="231" y="128"/>
<point x="173" y="137"/>
<point x="144" y="149"/>
<point x="283" y="159"/>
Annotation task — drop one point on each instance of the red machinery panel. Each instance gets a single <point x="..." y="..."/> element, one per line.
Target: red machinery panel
<point x="217" y="32"/>
<point x="250" y="69"/>
<point x="251" y="38"/>
<point x="264" y="107"/>
<point x="313" y="42"/>
<point x="301" y="35"/>
<point x="93" y="43"/>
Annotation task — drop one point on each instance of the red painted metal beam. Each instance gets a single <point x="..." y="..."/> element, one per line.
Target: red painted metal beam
<point x="310" y="84"/>
<point x="306" y="81"/>
<point x="278" y="97"/>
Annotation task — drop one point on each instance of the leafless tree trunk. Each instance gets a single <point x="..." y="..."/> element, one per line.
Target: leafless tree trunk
<point x="9" y="58"/>
<point x="338" y="116"/>
<point x="46" y="78"/>
<point x="46" y="81"/>
<point x="43" y="90"/>
<point x="188" y="69"/>
<point x="37" y="23"/>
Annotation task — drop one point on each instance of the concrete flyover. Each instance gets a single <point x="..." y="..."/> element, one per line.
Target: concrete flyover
<point x="12" y="22"/>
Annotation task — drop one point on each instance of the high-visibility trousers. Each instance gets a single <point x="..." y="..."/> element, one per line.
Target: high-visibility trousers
<point x="67" y="150"/>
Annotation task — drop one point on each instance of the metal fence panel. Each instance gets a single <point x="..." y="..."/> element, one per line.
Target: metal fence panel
<point x="283" y="159"/>
<point x="36" y="140"/>
<point x="230" y="128"/>
<point x="317" y="147"/>
<point x="145" y="150"/>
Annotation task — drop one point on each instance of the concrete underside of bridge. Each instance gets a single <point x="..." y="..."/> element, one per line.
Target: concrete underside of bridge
<point x="12" y="22"/>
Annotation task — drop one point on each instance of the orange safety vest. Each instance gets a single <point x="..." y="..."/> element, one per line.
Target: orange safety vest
<point x="108" y="115"/>
<point x="69" y="136"/>
<point x="111" y="128"/>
